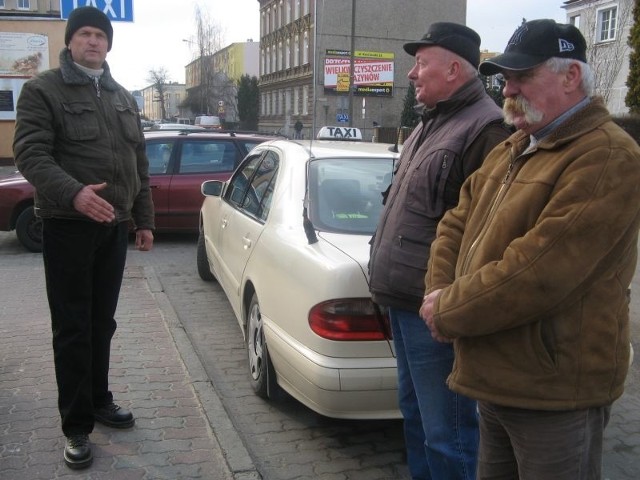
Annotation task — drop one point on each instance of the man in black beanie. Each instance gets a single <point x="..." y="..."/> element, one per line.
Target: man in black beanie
<point x="460" y="125"/>
<point x="79" y="141"/>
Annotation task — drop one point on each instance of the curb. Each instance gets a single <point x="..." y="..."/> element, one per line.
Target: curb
<point x="235" y="453"/>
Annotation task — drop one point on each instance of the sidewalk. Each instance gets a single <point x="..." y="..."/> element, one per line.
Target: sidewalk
<point x="181" y="431"/>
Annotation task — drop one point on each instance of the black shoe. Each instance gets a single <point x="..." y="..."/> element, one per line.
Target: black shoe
<point x="114" y="416"/>
<point x="77" y="451"/>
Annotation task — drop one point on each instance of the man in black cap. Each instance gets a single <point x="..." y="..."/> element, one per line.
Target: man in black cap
<point x="460" y="125"/>
<point x="79" y="141"/>
<point x="529" y="273"/>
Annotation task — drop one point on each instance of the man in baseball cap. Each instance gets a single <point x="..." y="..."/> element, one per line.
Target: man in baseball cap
<point x="535" y="42"/>
<point x="528" y="275"/>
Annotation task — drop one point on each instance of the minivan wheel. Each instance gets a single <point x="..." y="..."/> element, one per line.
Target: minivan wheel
<point x="29" y="230"/>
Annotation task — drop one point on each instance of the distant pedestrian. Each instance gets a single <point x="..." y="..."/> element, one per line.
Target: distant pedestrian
<point x="79" y="141"/>
<point x="297" y="127"/>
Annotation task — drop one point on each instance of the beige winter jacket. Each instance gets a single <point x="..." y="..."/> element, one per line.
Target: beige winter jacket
<point x="535" y="265"/>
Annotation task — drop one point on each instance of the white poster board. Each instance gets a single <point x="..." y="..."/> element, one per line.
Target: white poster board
<point x="22" y="55"/>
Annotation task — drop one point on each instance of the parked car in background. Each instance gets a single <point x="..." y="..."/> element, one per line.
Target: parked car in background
<point x="210" y="122"/>
<point x="179" y="161"/>
<point x="287" y="238"/>
<point x="174" y="126"/>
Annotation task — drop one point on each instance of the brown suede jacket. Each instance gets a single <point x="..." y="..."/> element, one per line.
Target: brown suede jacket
<point x="535" y="264"/>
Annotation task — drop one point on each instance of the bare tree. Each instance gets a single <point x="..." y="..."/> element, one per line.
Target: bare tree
<point x="158" y="78"/>
<point x="210" y="88"/>
<point x="605" y="57"/>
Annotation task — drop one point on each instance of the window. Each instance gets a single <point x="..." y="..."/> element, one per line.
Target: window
<point x="607" y="23"/>
<point x="296" y="101"/>
<point x="251" y="188"/>
<point x="305" y="49"/>
<point x="287" y="55"/>
<point x="159" y="155"/>
<point x="305" y="100"/>
<point x="296" y="50"/>
<point x="208" y="157"/>
<point x="24" y="4"/>
<point x="575" y="21"/>
<point x="345" y="193"/>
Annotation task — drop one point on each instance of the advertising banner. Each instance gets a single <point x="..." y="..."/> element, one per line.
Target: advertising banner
<point x="372" y="77"/>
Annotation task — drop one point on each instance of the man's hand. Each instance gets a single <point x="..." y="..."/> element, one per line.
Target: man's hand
<point x="144" y="240"/>
<point x="426" y="313"/>
<point x="89" y="203"/>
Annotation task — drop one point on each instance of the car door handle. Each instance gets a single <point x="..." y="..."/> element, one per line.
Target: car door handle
<point x="246" y="241"/>
<point x="223" y="223"/>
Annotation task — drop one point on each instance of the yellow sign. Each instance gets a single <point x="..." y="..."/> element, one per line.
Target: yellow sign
<point x="342" y="82"/>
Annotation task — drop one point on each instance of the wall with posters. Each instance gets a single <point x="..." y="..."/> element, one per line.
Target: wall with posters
<point x="27" y="47"/>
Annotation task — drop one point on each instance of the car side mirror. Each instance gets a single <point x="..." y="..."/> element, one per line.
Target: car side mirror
<point x="212" y="188"/>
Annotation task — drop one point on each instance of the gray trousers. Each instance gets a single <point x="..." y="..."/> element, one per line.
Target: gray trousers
<point x="540" y="445"/>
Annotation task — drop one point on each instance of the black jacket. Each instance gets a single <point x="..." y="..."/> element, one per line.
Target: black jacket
<point x="71" y="133"/>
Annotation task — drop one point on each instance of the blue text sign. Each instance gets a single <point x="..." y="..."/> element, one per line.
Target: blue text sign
<point x="116" y="10"/>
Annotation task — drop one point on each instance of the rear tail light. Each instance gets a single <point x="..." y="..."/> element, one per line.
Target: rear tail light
<point x="349" y="319"/>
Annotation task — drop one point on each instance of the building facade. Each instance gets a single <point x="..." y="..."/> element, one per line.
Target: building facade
<point x="214" y="78"/>
<point x="306" y="59"/>
<point x="174" y="94"/>
<point x="605" y="25"/>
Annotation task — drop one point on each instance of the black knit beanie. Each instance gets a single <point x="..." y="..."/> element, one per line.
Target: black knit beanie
<point x="88" y="17"/>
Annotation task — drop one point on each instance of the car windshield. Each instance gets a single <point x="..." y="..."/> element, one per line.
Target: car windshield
<point x="345" y="194"/>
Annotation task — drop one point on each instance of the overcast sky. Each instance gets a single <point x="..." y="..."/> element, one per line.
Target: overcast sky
<point x="155" y="38"/>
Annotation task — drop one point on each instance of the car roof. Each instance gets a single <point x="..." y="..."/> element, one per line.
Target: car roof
<point x="206" y="134"/>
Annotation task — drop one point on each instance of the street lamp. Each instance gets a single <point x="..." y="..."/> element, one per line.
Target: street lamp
<point x="352" y="83"/>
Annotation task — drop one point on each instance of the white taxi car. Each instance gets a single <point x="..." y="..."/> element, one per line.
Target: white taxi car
<point x="287" y="238"/>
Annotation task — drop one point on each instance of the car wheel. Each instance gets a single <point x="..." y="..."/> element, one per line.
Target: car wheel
<point x="263" y="375"/>
<point x="29" y="230"/>
<point x="201" y="260"/>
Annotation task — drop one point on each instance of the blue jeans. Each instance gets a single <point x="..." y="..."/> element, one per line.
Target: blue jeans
<point x="440" y="426"/>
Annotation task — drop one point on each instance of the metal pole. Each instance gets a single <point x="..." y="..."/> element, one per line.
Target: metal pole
<point x="352" y="85"/>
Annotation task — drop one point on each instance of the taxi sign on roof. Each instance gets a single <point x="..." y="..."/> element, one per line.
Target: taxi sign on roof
<point x="340" y="133"/>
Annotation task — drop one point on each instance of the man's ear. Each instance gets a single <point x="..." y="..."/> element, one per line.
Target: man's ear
<point x="454" y="69"/>
<point x="572" y="78"/>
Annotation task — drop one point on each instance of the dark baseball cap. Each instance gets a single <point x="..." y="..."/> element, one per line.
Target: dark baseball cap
<point x="456" y="38"/>
<point x="535" y="42"/>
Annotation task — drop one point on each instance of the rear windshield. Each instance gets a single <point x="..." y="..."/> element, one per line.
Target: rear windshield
<point x="345" y="194"/>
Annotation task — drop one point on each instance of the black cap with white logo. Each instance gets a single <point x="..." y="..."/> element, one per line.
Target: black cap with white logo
<point x="533" y="43"/>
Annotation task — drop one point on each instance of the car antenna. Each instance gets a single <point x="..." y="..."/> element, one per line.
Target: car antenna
<point x="309" y="231"/>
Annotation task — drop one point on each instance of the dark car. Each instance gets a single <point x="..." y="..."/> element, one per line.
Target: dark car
<point x="179" y="161"/>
